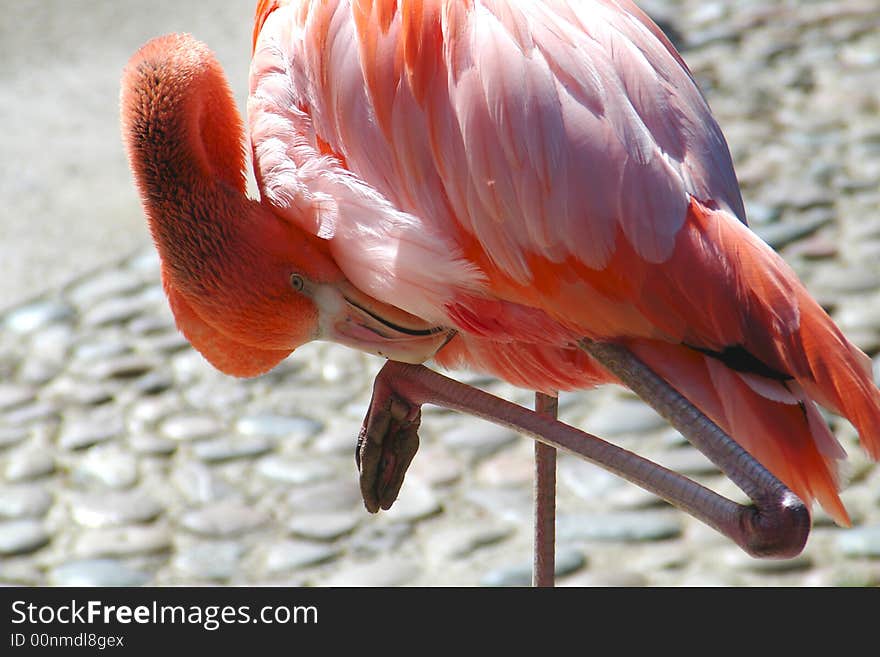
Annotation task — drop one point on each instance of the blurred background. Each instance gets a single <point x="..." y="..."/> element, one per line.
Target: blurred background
<point x="126" y="460"/>
<point x="69" y="201"/>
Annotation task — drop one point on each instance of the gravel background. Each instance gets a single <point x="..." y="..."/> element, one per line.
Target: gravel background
<point x="126" y="460"/>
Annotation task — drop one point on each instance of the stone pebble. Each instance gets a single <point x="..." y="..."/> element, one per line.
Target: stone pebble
<point x="97" y="572"/>
<point x="223" y="519"/>
<point x="292" y="554"/>
<point x="623" y="416"/>
<point x="22" y="536"/>
<point x="218" y="450"/>
<point x="325" y="526"/>
<point x="386" y="570"/>
<point x="125" y="541"/>
<point x="27" y="464"/>
<point x="567" y="561"/>
<point x="12" y="395"/>
<point x="32" y="316"/>
<point x="860" y="541"/>
<point x="112" y="508"/>
<point x="209" y="560"/>
<point x="24" y="501"/>
<point x="623" y="526"/>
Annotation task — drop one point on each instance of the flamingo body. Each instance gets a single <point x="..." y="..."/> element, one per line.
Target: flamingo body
<point x="530" y="174"/>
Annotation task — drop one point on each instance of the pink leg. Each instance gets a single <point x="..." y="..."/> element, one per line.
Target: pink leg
<point x="777" y="525"/>
<point x="543" y="573"/>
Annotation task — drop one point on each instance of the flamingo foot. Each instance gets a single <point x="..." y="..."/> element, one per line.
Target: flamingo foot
<point x="386" y="445"/>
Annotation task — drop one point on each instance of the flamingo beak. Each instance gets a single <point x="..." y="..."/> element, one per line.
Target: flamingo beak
<point x="352" y="318"/>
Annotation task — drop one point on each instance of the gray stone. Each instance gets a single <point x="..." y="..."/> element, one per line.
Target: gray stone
<point x="478" y="439"/>
<point x="216" y="395"/>
<point x="112" y="467"/>
<point x="296" y="471"/>
<point x="436" y="466"/>
<point x="292" y="555"/>
<point x="859" y="315"/>
<point x="28" y="463"/>
<point x="24" y="501"/>
<point x="387" y="570"/>
<point x="278" y="426"/>
<point x="154" y="382"/>
<point x="11" y="436"/>
<point x="860" y="541"/>
<point x="228" y="448"/>
<point x="567" y="562"/>
<point x="127" y="541"/>
<point x="511" y="505"/>
<point x="462" y="541"/>
<point x="188" y="427"/>
<point x="623" y="526"/>
<point x="88" y="352"/>
<point x="53" y="342"/>
<point x="379" y="536"/>
<point x="38" y="370"/>
<point x="66" y="391"/>
<point x="84" y="432"/>
<point x="339" y="438"/>
<point x="686" y="461"/>
<point x="782" y="233"/>
<point x="334" y="495"/>
<point x="761" y="213"/>
<point x="834" y="280"/>
<point x="12" y="395"/>
<point x="325" y="526"/>
<point x="30" y="317"/>
<point x="223" y="519"/>
<point x="21" y="537"/>
<point x="123" y="367"/>
<point x="587" y="480"/>
<point x="108" y="283"/>
<point x="108" y="509"/>
<point x="20" y="572"/>
<point x="149" y="325"/>
<point x="170" y="342"/>
<point x="199" y="484"/>
<point x="214" y="560"/>
<point x="415" y="502"/>
<point x="97" y="572"/>
<point x="511" y="467"/>
<point x="32" y="413"/>
<point x="146" y="412"/>
<point x="623" y="416"/>
<point x="145" y="263"/>
<point x="152" y="445"/>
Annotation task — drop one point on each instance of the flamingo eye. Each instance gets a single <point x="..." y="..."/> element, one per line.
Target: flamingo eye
<point x="297" y="282"/>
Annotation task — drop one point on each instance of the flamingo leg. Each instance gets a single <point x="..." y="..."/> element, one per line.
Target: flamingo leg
<point x="776" y="525"/>
<point x="545" y="499"/>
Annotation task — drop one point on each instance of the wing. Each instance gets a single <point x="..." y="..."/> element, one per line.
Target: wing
<point x="552" y="125"/>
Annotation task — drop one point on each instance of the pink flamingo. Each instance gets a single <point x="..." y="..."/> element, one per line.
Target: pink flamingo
<point x="535" y="190"/>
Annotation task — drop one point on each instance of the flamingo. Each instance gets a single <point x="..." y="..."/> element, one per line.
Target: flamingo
<point x="535" y="190"/>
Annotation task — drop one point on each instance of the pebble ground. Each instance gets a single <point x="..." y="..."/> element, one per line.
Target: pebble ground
<point x="126" y="460"/>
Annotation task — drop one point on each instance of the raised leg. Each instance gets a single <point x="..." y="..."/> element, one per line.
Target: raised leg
<point x="777" y="525"/>
<point x="543" y="574"/>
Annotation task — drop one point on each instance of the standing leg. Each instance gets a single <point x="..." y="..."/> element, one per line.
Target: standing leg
<point x="545" y="499"/>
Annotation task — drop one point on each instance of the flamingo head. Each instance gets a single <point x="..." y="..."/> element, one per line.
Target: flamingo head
<point x="246" y="286"/>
